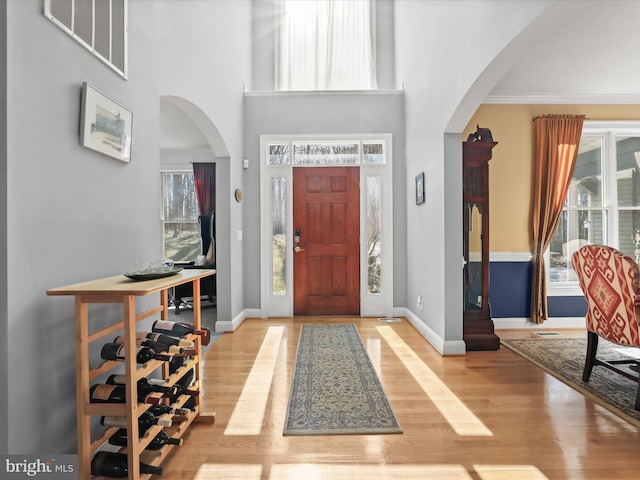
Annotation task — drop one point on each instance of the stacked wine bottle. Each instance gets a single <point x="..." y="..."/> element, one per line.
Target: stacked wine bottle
<point x="163" y="343"/>
<point x="180" y="329"/>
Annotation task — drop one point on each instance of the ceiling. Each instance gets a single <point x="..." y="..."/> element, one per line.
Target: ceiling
<point x="591" y="56"/>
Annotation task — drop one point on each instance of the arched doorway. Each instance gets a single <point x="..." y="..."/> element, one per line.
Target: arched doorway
<point x="189" y="136"/>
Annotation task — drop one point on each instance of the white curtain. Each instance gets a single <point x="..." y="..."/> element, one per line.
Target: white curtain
<point x="327" y="45"/>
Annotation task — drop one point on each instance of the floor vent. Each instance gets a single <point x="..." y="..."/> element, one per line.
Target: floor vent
<point x="389" y="320"/>
<point x="548" y="334"/>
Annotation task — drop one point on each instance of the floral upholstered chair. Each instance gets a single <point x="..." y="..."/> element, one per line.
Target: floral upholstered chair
<point x="610" y="282"/>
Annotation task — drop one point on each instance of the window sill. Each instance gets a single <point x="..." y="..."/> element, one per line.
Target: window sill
<point x="564" y="290"/>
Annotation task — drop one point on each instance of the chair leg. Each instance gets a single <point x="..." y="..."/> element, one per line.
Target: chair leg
<point x="590" y="361"/>
<point x="637" y="407"/>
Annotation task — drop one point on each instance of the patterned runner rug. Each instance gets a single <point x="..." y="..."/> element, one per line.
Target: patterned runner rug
<point x="335" y="389"/>
<point x="564" y="359"/>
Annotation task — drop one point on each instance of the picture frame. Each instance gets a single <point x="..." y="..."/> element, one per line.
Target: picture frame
<point x="420" y="188"/>
<point x="106" y="126"/>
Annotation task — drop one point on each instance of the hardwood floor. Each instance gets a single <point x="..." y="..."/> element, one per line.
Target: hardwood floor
<point x="535" y="427"/>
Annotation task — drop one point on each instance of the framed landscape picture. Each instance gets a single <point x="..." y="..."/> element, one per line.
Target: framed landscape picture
<point x="105" y="125"/>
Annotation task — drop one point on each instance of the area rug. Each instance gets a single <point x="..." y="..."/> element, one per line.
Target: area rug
<point x="564" y="359"/>
<point x="335" y="389"/>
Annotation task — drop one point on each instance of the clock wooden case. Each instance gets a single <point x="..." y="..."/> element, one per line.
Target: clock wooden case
<point x="478" y="329"/>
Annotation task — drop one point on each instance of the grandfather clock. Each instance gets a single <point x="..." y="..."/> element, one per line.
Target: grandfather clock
<point x="477" y="330"/>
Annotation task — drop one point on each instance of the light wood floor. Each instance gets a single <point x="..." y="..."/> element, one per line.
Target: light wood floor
<point x="535" y="427"/>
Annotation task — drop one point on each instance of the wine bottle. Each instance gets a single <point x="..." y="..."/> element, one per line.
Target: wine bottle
<point x="167" y="340"/>
<point x="176" y="361"/>
<point x="145" y="386"/>
<point x="120" y="439"/>
<point x="105" y="393"/>
<point x="113" y="351"/>
<point x="185" y="391"/>
<point x="179" y="329"/>
<point x="177" y="352"/>
<point x="156" y="346"/>
<point x="178" y="415"/>
<point x="114" y="465"/>
<point x="146" y="420"/>
<point x="187" y="379"/>
<point x="190" y="404"/>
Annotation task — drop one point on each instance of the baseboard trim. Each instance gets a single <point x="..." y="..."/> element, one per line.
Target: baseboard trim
<point x="233" y="324"/>
<point x="455" y="347"/>
<point x="526" y="323"/>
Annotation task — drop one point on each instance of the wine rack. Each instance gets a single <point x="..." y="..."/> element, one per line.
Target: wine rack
<point x="121" y="290"/>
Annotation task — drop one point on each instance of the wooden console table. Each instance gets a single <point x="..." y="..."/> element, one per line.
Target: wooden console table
<point x="122" y="290"/>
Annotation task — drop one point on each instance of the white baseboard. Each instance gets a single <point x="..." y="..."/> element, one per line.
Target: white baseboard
<point x="252" y="313"/>
<point x="456" y="347"/>
<point x="233" y="324"/>
<point x="526" y="323"/>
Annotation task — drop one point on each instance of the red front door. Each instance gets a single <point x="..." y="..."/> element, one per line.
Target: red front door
<point x="326" y="259"/>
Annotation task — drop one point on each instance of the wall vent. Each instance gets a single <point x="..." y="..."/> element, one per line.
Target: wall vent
<point x="98" y="25"/>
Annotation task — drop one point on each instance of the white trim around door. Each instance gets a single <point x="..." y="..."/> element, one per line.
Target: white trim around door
<point x="279" y="154"/>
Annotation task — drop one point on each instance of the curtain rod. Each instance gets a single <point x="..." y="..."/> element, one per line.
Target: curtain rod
<point x="557" y="115"/>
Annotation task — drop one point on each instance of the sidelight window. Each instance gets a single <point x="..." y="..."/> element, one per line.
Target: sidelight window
<point x="279" y="235"/>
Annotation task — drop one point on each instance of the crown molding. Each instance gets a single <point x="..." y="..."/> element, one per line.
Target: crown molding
<point x="563" y="99"/>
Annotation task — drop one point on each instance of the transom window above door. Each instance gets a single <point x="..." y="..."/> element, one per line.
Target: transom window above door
<point x="327" y="153"/>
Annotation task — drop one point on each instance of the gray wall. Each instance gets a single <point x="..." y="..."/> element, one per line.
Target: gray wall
<point x="326" y="113"/>
<point x="4" y="339"/>
<point x="76" y="215"/>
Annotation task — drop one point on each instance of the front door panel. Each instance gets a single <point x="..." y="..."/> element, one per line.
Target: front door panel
<point x="326" y="213"/>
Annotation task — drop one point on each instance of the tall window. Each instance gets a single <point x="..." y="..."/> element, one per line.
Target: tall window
<point x="603" y="201"/>
<point x="327" y="45"/>
<point x="181" y="230"/>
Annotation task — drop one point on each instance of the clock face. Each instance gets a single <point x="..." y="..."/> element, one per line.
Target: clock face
<point x="238" y="195"/>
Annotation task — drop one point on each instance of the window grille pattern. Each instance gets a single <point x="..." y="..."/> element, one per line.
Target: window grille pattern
<point x="98" y="25"/>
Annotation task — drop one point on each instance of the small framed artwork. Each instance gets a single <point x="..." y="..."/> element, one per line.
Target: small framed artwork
<point x="420" y="188"/>
<point x="105" y="125"/>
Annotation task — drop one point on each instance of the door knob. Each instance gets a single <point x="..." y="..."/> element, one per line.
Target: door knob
<point x="298" y="249"/>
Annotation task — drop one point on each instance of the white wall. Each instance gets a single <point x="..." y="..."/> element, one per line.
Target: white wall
<point x="456" y="41"/>
<point x="73" y="214"/>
